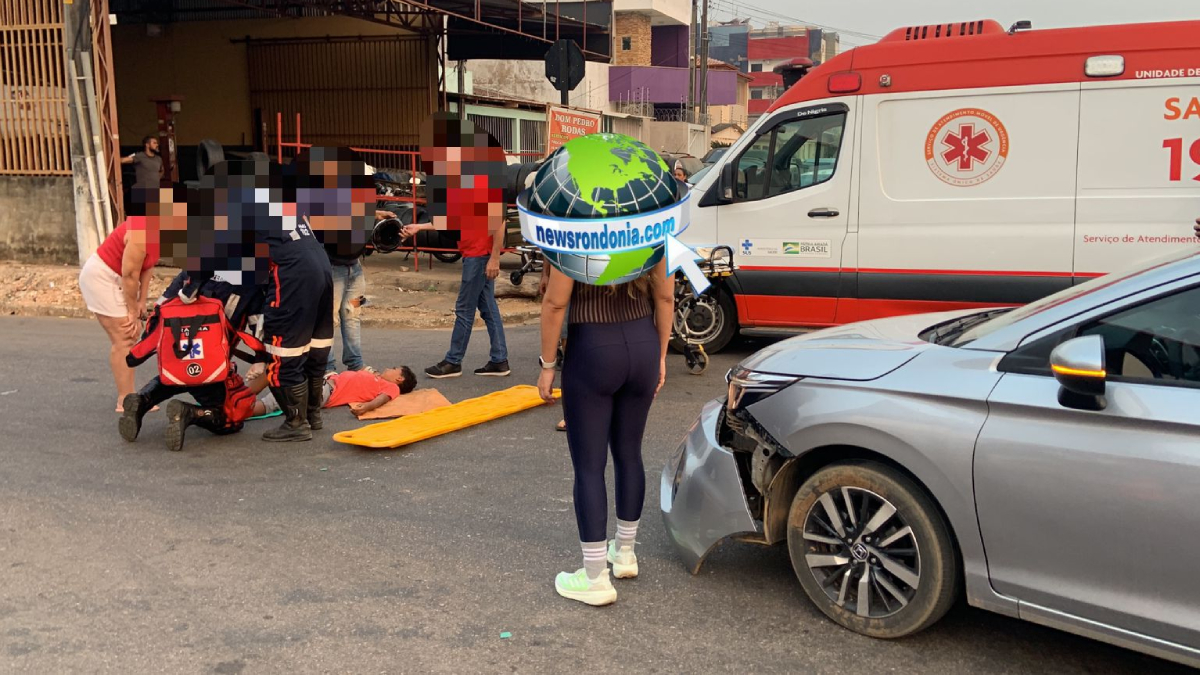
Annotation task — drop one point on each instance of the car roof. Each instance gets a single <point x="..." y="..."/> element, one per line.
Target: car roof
<point x="1095" y="293"/>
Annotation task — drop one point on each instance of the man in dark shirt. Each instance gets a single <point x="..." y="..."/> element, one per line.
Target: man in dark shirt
<point x="147" y="164"/>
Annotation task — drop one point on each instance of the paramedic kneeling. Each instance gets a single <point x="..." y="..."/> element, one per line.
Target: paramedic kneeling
<point x="361" y="390"/>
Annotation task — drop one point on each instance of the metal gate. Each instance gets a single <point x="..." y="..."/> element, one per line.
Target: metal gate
<point x="34" y="140"/>
<point x="359" y="91"/>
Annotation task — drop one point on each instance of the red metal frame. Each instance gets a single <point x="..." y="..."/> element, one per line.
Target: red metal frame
<point x="415" y="164"/>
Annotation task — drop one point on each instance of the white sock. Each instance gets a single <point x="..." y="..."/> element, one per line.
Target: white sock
<point x="626" y="533"/>
<point x="595" y="558"/>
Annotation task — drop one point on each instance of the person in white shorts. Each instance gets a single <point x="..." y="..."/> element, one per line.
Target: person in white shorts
<point x="115" y="279"/>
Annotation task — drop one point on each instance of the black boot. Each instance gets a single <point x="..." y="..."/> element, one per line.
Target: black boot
<point x="293" y="401"/>
<point x="137" y="405"/>
<point x="316" y="387"/>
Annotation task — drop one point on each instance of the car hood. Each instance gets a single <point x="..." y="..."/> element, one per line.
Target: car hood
<point x="858" y="351"/>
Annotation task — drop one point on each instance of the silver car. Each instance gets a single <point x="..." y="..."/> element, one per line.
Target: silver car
<point x="1044" y="459"/>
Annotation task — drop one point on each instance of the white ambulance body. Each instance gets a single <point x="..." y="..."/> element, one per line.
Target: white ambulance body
<point x="956" y="166"/>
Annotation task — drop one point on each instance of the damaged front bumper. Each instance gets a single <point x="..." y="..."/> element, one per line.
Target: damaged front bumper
<point x="702" y="497"/>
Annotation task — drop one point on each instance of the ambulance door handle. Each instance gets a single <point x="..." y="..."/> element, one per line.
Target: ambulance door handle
<point x="823" y="213"/>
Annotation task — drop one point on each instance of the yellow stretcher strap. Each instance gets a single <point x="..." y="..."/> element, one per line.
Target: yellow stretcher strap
<point x="443" y="420"/>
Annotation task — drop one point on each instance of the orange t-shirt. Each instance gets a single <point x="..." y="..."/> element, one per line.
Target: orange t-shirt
<point x="359" y="386"/>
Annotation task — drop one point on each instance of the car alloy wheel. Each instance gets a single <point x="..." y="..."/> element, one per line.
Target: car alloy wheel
<point x="861" y="552"/>
<point x="872" y="550"/>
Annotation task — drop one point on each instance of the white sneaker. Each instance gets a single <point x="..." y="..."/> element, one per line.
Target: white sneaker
<point x="624" y="562"/>
<point x="578" y="586"/>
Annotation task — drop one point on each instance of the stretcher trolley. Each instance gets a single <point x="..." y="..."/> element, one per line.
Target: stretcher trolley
<point x="698" y="317"/>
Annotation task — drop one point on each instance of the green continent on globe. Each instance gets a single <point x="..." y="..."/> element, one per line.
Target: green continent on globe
<point x="623" y="263"/>
<point x="608" y="162"/>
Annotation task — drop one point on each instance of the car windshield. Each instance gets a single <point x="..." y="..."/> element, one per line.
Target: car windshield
<point x="1007" y="318"/>
<point x="714" y="155"/>
<point x="695" y="178"/>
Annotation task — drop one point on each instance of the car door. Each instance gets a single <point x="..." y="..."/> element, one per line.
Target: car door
<point x="1096" y="514"/>
<point x="789" y="216"/>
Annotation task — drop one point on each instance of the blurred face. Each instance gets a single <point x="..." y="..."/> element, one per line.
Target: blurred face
<point x="339" y="207"/>
<point x="167" y="214"/>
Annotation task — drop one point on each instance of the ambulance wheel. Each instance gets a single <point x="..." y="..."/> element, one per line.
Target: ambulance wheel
<point x="711" y="322"/>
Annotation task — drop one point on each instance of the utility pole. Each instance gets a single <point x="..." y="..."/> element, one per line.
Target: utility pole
<point x="693" y="54"/>
<point x="704" y="64"/>
<point x="77" y="40"/>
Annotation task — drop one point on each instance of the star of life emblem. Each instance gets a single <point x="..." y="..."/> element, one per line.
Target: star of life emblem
<point x="966" y="147"/>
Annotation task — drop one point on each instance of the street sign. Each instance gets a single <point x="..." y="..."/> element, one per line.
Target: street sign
<point x="564" y="66"/>
<point x="564" y="124"/>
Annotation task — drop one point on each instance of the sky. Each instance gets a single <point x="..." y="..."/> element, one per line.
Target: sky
<point x="864" y="21"/>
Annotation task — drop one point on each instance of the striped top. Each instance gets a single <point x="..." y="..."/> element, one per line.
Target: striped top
<point x="607" y="304"/>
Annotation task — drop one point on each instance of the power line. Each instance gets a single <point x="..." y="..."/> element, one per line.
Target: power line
<point x="738" y="9"/>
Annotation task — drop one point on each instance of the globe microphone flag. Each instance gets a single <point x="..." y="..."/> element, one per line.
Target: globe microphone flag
<point x="604" y="209"/>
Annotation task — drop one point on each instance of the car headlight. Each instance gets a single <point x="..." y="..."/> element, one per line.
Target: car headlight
<point x="747" y="387"/>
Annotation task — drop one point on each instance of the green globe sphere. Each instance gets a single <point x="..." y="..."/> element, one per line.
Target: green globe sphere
<point x="603" y="176"/>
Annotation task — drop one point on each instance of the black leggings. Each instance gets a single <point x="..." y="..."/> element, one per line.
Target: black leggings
<point x="609" y="376"/>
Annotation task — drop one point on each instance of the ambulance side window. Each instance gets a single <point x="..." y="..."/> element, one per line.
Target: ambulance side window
<point x="792" y="156"/>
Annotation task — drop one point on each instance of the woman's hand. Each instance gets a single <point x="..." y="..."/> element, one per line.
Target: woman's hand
<point x="131" y="324"/>
<point x="546" y="385"/>
<point x="662" y="375"/>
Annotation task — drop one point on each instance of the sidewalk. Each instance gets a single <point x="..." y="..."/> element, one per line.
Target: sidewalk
<point x="397" y="295"/>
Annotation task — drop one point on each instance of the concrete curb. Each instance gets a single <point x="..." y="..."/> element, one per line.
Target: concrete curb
<point x="517" y="317"/>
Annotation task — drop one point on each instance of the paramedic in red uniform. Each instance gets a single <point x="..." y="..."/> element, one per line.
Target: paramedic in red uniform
<point x="116" y="278"/>
<point x="224" y="405"/>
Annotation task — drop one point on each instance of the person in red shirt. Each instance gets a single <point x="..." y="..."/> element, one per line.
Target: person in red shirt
<point x="115" y="279"/>
<point x="464" y="169"/>
<point x="361" y="390"/>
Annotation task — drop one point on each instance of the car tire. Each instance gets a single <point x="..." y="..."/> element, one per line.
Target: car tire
<point x="912" y="577"/>
<point x="720" y="338"/>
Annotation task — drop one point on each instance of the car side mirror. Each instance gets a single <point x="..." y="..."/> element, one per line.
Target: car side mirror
<point x="728" y="181"/>
<point x="1079" y="367"/>
<point x="721" y="192"/>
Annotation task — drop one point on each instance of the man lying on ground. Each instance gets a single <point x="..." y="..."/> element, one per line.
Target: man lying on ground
<point x="361" y="390"/>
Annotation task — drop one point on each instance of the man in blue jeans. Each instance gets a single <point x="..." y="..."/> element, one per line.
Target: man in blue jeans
<point x="466" y="201"/>
<point x="349" y="290"/>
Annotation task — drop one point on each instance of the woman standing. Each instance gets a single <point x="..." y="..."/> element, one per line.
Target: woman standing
<point x="115" y="280"/>
<point x="612" y="372"/>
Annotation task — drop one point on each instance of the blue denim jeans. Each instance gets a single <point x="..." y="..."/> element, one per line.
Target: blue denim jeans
<point x="348" y="284"/>
<point x="476" y="293"/>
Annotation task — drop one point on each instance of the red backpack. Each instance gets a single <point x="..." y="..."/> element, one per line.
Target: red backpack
<point x="192" y="340"/>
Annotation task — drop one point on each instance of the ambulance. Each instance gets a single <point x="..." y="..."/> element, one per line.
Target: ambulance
<point x="954" y="166"/>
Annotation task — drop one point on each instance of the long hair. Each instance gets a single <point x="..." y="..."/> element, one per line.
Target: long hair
<point x="640" y="287"/>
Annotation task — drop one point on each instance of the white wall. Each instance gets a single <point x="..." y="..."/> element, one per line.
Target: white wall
<point x="662" y="12"/>
<point x="526" y="80"/>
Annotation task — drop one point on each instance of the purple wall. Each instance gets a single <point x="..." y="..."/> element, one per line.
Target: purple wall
<point x="668" y="46"/>
<point x="667" y="85"/>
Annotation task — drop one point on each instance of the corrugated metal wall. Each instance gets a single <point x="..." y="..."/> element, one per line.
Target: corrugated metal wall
<point x="363" y="92"/>
<point x="34" y="140"/>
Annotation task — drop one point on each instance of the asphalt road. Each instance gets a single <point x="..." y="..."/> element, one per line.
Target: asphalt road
<point x="241" y="556"/>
